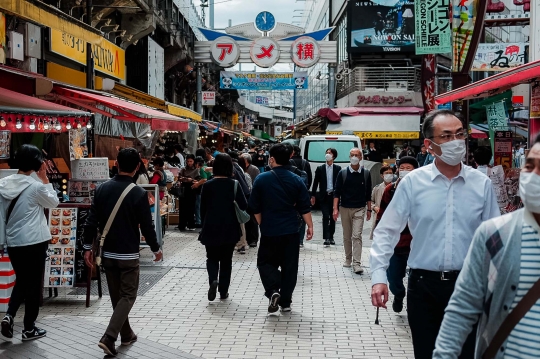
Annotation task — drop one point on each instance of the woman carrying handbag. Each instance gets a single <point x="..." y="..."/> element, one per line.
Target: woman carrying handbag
<point x="222" y="206"/>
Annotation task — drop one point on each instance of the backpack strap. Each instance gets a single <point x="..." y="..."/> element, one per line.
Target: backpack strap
<point x="235" y="188"/>
<point x="11" y="207"/>
<point x="344" y="174"/>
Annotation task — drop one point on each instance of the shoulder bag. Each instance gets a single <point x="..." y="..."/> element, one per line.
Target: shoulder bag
<point x="242" y="216"/>
<point x="110" y="222"/>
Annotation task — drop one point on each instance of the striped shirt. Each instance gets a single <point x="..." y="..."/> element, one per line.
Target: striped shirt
<point x="524" y="341"/>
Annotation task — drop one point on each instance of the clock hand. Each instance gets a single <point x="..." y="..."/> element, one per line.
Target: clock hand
<point x="264" y="18"/>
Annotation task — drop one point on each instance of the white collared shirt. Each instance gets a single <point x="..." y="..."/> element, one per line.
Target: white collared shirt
<point x="442" y="215"/>
<point x="353" y="170"/>
<point x="329" y="178"/>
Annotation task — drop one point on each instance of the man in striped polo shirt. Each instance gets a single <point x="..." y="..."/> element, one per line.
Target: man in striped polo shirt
<point x="502" y="265"/>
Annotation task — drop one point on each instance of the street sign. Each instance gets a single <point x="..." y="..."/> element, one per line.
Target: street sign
<point x="305" y="51"/>
<point x="208" y="98"/>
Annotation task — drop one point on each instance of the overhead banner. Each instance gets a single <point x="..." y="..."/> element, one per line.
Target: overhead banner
<point x="499" y="56"/>
<point x="432" y="27"/>
<point x="381" y="26"/>
<point x="263" y="80"/>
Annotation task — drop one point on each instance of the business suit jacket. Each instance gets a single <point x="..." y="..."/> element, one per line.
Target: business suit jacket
<point x="321" y="182"/>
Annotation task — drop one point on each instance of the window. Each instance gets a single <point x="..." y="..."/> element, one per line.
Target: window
<point x="317" y="149"/>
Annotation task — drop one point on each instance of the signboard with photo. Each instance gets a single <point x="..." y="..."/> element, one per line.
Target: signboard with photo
<point x="377" y="26"/>
<point x="432" y="27"/>
<point x="60" y="264"/>
<point x="5" y="141"/>
<point x="77" y="144"/>
<point x="499" y="56"/>
<point x="82" y="191"/>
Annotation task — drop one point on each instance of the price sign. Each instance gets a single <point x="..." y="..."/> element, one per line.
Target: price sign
<point x="503" y="149"/>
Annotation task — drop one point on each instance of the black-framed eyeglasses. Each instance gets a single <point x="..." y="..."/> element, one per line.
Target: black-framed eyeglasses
<point x="448" y="137"/>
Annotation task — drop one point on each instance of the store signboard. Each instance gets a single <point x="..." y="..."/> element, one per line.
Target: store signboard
<point x="499" y="56"/>
<point x="377" y="26"/>
<point x="503" y="149"/>
<point x="380" y="135"/>
<point x="108" y="58"/>
<point x="60" y="264"/>
<point x="535" y="101"/>
<point x="263" y="80"/>
<point x="208" y="98"/>
<point x="432" y="27"/>
<point x="497" y="116"/>
<point x="90" y="168"/>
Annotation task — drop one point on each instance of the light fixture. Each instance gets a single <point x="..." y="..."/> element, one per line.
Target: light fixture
<point x="58" y="126"/>
<point x="46" y="125"/>
<point x="149" y="134"/>
<point x="68" y="125"/>
<point x="2" y="122"/>
<point x="89" y="125"/>
<point x="32" y="125"/>
<point x="18" y="125"/>
<point x="78" y="125"/>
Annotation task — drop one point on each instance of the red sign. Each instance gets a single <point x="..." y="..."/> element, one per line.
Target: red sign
<point x="378" y="99"/>
<point x="305" y="51"/>
<point x="225" y="51"/>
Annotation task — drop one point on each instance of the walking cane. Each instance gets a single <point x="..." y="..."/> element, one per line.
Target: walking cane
<point x="377" y="317"/>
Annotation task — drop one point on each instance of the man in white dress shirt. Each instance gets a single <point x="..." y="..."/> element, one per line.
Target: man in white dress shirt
<point x="443" y="203"/>
<point x="178" y="153"/>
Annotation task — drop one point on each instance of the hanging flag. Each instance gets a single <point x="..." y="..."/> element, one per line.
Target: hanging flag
<point x="432" y="19"/>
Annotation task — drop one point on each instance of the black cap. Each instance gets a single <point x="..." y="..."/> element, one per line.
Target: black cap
<point x="410" y="160"/>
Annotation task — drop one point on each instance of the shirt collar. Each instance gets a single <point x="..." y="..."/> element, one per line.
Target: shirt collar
<point x="529" y="219"/>
<point x="328" y="166"/>
<point x="436" y="173"/>
<point x="352" y="171"/>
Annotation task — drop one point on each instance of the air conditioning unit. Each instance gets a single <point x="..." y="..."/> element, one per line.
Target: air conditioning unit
<point x="15" y="46"/>
<point x="32" y="43"/>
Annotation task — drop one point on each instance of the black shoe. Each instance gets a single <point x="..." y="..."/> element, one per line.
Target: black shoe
<point x="35" y="333"/>
<point x="253" y="245"/>
<point x="223" y="297"/>
<point x="326" y="242"/>
<point x="242" y="250"/>
<point x="181" y="229"/>
<point x="397" y="305"/>
<point x="7" y="326"/>
<point x="107" y="344"/>
<point x="332" y="242"/>
<point x="128" y="341"/>
<point x="273" y="305"/>
<point x="212" y="292"/>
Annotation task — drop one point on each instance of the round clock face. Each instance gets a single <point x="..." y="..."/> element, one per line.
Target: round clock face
<point x="265" y="21"/>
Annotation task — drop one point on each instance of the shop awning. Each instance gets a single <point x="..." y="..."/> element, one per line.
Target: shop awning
<point x="181" y="111"/>
<point x="494" y="84"/>
<point x="396" y="126"/>
<point x="122" y="109"/>
<point x="335" y="114"/>
<point x="477" y="133"/>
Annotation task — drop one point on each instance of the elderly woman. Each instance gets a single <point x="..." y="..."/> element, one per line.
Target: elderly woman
<point x="220" y="227"/>
<point x="188" y="176"/>
<point x="23" y="228"/>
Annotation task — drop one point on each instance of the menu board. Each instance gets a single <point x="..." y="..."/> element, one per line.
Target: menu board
<point x="90" y="168"/>
<point x="81" y="270"/>
<point x="60" y="266"/>
<point x="77" y="144"/>
<point x="5" y="140"/>
<point x="82" y="191"/>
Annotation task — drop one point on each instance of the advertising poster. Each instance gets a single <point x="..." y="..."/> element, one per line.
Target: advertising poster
<point x="432" y="25"/>
<point x="499" y="56"/>
<point x="5" y="140"/>
<point x="535" y="101"/>
<point x="77" y="144"/>
<point x="263" y="80"/>
<point x="60" y="264"/>
<point x="382" y="26"/>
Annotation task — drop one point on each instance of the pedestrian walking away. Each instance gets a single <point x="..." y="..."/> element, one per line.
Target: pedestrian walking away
<point x="25" y="233"/>
<point x="324" y="180"/>
<point x="121" y="245"/>
<point x="252" y="228"/>
<point x="304" y="166"/>
<point x="499" y="285"/>
<point x="277" y="199"/>
<point x="442" y="224"/>
<point x="398" y="262"/>
<point x="352" y="200"/>
<point x="220" y="227"/>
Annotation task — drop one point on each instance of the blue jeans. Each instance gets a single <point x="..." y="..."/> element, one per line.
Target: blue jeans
<point x="198" y="209"/>
<point x="396" y="272"/>
<point x="261" y="169"/>
<point x="302" y="232"/>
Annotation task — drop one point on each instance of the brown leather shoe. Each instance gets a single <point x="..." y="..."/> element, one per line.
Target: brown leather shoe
<point x="107" y="345"/>
<point x="128" y="341"/>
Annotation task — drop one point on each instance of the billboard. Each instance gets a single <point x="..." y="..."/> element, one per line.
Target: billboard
<point x="378" y="26"/>
<point x="230" y="80"/>
<point x="499" y="56"/>
<point x="432" y="27"/>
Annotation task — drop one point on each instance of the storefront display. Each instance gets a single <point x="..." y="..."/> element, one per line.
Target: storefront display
<point x="60" y="266"/>
<point x="5" y="144"/>
<point x="82" y="191"/>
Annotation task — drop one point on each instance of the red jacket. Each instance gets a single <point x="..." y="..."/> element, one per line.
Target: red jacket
<point x="405" y="237"/>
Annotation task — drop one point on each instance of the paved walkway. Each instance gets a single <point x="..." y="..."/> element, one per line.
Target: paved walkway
<point x="332" y="315"/>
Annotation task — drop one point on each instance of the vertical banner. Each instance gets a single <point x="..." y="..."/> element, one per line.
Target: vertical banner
<point x="464" y="13"/>
<point x="432" y="27"/>
<point x="497" y="117"/>
<point x="429" y="65"/>
<point x="534" y="122"/>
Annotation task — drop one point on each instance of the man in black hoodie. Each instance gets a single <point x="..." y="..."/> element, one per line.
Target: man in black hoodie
<point x="121" y="245"/>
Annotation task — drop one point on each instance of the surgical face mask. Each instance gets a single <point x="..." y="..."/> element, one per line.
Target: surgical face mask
<point x="328" y="157"/>
<point x="355" y="161"/>
<point x="529" y="191"/>
<point x="452" y="152"/>
<point x="388" y="177"/>
<point x="403" y="173"/>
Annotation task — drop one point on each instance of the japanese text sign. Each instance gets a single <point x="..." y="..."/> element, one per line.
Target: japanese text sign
<point x="263" y="80"/>
<point x="497" y="116"/>
<point x="305" y="51"/>
<point x="90" y="169"/>
<point x="432" y="27"/>
<point x="499" y="56"/>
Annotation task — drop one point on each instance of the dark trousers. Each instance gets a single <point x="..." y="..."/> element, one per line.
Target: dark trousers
<point x="123" y="282"/>
<point x="252" y="230"/>
<point x="302" y="231"/>
<point x="28" y="263"/>
<point x="396" y="272"/>
<point x="328" y="223"/>
<point x="219" y="262"/>
<point x="186" y="215"/>
<point x="426" y="300"/>
<point x="274" y="253"/>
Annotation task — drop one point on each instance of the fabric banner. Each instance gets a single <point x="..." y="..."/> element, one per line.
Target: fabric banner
<point x="498" y="56"/>
<point x="497" y="117"/>
<point x="263" y="80"/>
<point x="432" y="27"/>
<point x="463" y="21"/>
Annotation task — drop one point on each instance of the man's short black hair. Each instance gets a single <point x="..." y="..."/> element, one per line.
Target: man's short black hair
<point x="482" y="155"/>
<point x="281" y="153"/>
<point x="200" y="153"/>
<point x="190" y="156"/>
<point x="158" y="162"/>
<point x="179" y="148"/>
<point x="28" y="158"/>
<point x="223" y="165"/>
<point x="128" y="159"/>
<point x="333" y="150"/>
<point x="199" y="160"/>
<point x="234" y="155"/>
<point x="297" y="150"/>
<point x="427" y="127"/>
<point x="208" y="150"/>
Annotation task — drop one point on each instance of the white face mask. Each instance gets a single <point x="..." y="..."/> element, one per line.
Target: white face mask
<point x="355" y="161"/>
<point x="452" y="152"/>
<point x="388" y="177"/>
<point x="529" y="191"/>
<point x="403" y="173"/>
<point x="328" y="157"/>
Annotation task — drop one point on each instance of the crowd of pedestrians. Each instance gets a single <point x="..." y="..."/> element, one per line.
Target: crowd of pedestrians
<point x="473" y="286"/>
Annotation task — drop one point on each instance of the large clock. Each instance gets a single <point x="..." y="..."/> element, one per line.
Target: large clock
<point x="265" y="21"/>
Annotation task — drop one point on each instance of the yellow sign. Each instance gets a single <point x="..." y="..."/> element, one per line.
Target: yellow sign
<point x="108" y="58"/>
<point x="381" y="135"/>
<point x="2" y="38"/>
<point x="183" y="112"/>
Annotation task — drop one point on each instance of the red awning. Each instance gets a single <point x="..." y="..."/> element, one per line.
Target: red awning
<point x="122" y="110"/>
<point x="34" y="105"/>
<point x="334" y="114"/>
<point x="478" y="134"/>
<point x="494" y="84"/>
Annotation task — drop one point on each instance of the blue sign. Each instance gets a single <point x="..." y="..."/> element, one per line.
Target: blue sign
<point x="445" y="106"/>
<point x="261" y="100"/>
<point x="230" y="80"/>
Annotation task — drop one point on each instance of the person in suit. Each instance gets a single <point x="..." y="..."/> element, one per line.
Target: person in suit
<point x="325" y="179"/>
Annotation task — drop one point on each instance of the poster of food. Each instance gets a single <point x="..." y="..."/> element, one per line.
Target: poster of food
<point x="60" y="266"/>
<point x="77" y="144"/>
<point x="5" y="140"/>
<point x="82" y="191"/>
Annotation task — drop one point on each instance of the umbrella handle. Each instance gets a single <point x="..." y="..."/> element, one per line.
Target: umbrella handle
<point x="377" y="317"/>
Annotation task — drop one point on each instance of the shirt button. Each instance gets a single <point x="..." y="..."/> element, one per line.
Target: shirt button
<point x="513" y="287"/>
<point x="505" y="307"/>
